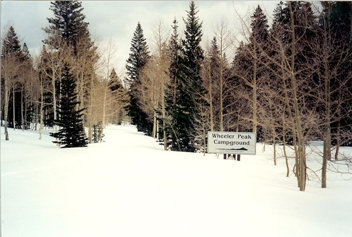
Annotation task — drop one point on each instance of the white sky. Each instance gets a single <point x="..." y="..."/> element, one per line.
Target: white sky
<point x="115" y="21"/>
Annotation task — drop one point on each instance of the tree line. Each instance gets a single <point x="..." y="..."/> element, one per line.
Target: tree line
<point x="33" y="87"/>
<point x="289" y="82"/>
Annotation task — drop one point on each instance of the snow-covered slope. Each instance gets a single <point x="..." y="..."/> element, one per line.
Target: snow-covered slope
<point x="129" y="186"/>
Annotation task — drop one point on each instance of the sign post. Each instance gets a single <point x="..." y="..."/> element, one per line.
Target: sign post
<point x="232" y="143"/>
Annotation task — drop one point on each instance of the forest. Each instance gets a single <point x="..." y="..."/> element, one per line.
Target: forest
<point x="289" y="82"/>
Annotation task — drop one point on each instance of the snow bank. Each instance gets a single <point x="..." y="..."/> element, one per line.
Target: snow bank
<point x="129" y="186"/>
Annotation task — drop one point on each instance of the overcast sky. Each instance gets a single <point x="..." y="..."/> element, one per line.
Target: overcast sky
<point x="115" y="21"/>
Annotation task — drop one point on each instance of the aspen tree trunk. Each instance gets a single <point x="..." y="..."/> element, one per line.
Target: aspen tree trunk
<point x="104" y="109"/>
<point x="106" y="83"/>
<point x="157" y="129"/>
<point x="273" y="132"/>
<point x="163" y="109"/>
<point x="22" y="120"/>
<point x="6" y="107"/>
<point x="54" y="97"/>
<point x="25" y="113"/>
<point x="81" y="90"/>
<point x="293" y="130"/>
<point x="221" y="90"/>
<point x="299" y="130"/>
<point x="154" y="124"/>
<point x="164" y="134"/>
<point x="223" y="35"/>
<point x="211" y="102"/>
<point x="13" y="108"/>
<point x="36" y="115"/>
<point x="327" y="124"/>
<point x="284" y="146"/>
<point x="90" y="112"/>
<point x="338" y="139"/>
<point x="254" y="129"/>
<point x="275" y="153"/>
<point x="41" y="111"/>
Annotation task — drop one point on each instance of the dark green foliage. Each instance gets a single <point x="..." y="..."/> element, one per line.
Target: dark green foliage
<point x="190" y="92"/>
<point x="259" y="27"/>
<point x="21" y="71"/>
<point x="68" y="29"/>
<point x="11" y="44"/>
<point x="242" y="66"/>
<point x="120" y="94"/>
<point x="68" y="23"/>
<point x="337" y="19"/>
<point x="214" y="67"/>
<point x="69" y="120"/>
<point x="138" y="57"/>
<point x="115" y="83"/>
<point x="171" y="94"/>
<point x="11" y="48"/>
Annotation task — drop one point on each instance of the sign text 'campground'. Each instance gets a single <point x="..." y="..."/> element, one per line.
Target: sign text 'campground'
<point x="232" y="143"/>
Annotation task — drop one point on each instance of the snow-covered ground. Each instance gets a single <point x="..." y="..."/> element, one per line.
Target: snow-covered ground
<point x="129" y="186"/>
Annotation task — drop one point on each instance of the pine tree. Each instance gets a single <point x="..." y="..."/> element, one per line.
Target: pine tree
<point x="138" y="58"/>
<point x="171" y="94"/>
<point x="115" y="82"/>
<point x="71" y="132"/>
<point x="11" y="44"/>
<point x="340" y="21"/>
<point x="10" y="66"/>
<point x="68" y="23"/>
<point x="25" y="92"/>
<point x="12" y="49"/>
<point x="190" y="92"/>
<point x="120" y="96"/>
<point x="68" y="37"/>
<point x="257" y="45"/>
<point x="214" y="61"/>
<point x="25" y="51"/>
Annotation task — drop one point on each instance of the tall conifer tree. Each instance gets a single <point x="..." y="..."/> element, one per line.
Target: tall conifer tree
<point x="138" y="58"/>
<point x="71" y="132"/>
<point x="174" y="73"/>
<point x="68" y="36"/>
<point x="11" y="55"/>
<point x="68" y="23"/>
<point x="190" y="92"/>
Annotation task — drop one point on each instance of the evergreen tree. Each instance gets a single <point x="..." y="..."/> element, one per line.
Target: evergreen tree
<point x="68" y="23"/>
<point x="10" y="59"/>
<point x="174" y="69"/>
<point x="138" y="58"/>
<point x="25" y="51"/>
<point x="259" y="27"/>
<point x="12" y="49"/>
<point x="71" y="132"/>
<point x="258" y="71"/>
<point x="171" y="94"/>
<point x="68" y="37"/>
<point x="190" y="92"/>
<point x="11" y="44"/>
<point x="115" y="82"/>
<point x="340" y="21"/>
<point x="120" y="96"/>
<point x="215" y="60"/>
<point x="26" y="104"/>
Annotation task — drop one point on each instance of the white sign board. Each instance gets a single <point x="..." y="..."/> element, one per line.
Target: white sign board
<point x="232" y="143"/>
